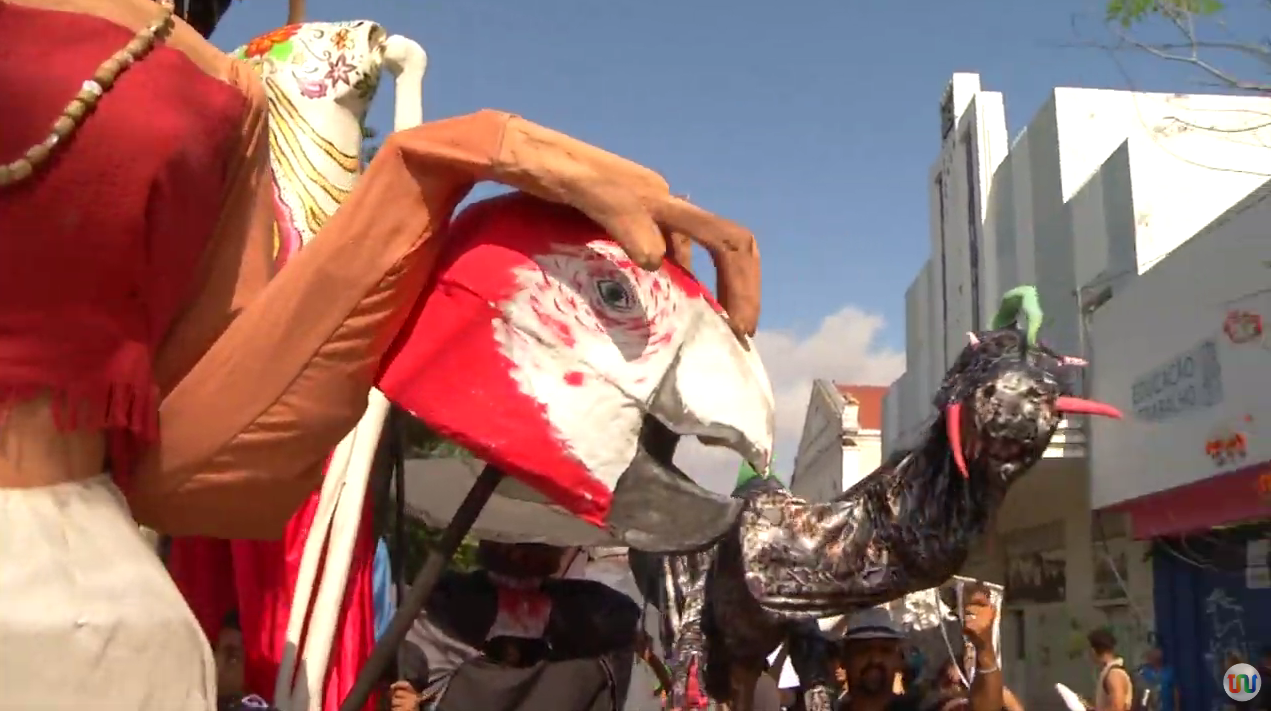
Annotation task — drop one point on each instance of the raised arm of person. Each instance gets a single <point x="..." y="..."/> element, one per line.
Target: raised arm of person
<point x="644" y="647"/>
<point x="1009" y="701"/>
<point x="247" y="424"/>
<point x="986" y="690"/>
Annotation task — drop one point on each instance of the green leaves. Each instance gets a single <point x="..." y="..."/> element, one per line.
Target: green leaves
<point x="421" y="442"/>
<point x="422" y="540"/>
<point x="1131" y="12"/>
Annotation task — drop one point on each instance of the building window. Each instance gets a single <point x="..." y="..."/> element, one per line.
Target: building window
<point x="946" y="112"/>
<point x="944" y="274"/>
<point x="973" y="227"/>
<point x="1015" y="623"/>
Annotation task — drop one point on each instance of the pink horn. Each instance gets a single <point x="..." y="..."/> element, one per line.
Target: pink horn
<point x="953" y="430"/>
<point x="1081" y="406"/>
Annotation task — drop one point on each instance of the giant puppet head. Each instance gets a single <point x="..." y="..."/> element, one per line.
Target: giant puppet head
<point x="1005" y="395"/>
<point x="543" y="349"/>
<point x="320" y="78"/>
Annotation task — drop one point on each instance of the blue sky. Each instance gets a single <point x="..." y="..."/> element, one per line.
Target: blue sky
<point x="812" y="122"/>
<point x="814" y="126"/>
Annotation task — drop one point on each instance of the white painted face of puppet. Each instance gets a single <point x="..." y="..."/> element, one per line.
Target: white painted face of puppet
<point x="599" y="342"/>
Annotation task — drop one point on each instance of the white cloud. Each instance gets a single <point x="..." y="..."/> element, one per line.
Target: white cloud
<point x="844" y="348"/>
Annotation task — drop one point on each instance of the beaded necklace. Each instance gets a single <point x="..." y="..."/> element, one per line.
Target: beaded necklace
<point x="86" y="100"/>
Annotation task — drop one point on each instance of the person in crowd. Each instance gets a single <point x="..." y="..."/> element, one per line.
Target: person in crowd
<point x="947" y="691"/>
<point x="947" y="682"/>
<point x="228" y="651"/>
<point x="839" y="674"/>
<point x="915" y="662"/>
<point x="1262" y="702"/>
<point x="404" y="695"/>
<point x="872" y="657"/>
<point x="1160" y="688"/>
<point x="1114" y="690"/>
<point x="383" y="595"/>
<point x="644" y="651"/>
<point x="767" y="692"/>
<point x="511" y="636"/>
<point x="230" y="671"/>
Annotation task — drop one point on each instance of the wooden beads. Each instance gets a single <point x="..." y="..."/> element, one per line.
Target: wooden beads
<point x="86" y="100"/>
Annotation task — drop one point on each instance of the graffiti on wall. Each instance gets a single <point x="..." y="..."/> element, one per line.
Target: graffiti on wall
<point x="1227" y="643"/>
<point x="1242" y="327"/>
<point x="1111" y="571"/>
<point x="1258" y="564"/>
<point x="1037" y="577"/>
<point x="1228" y="443"/>
<point x="1190" y="381"/>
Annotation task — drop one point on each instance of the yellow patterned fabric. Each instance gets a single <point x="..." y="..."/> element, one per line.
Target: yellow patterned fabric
<point x="320" y="78"/>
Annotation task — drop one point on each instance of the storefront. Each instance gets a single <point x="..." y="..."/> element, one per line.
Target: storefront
<point x="1213" y="600"/>
<point x="1183" y="351"/>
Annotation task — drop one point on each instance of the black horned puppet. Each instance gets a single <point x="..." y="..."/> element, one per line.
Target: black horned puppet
<point x="907" y="526"/>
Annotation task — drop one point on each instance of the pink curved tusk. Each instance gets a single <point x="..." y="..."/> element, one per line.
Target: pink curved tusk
<point x="953" y="430"/>
<point x="972" y="338"/>
<point x="1081" y="406"/>
<point x="1073" y="361"/>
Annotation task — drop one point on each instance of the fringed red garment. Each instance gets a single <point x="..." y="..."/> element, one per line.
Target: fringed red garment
<point x="100" y="249"/>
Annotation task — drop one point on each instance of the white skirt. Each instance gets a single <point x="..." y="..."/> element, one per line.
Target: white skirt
<point x="89" y="617"/>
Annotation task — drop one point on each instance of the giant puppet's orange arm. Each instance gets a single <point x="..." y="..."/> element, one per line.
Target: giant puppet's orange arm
<point x="246" y="429"/>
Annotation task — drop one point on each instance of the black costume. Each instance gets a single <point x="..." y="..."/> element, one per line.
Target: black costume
<point x="574" y="653"/>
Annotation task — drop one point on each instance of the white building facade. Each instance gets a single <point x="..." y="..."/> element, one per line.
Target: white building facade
<point x="1183" y="352"/>
<point x="841" y="441"/>
<point x="1097" y="189"/>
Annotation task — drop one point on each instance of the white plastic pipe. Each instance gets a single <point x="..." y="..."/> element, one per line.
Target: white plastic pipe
<point x="344" y="490"/>
<point x="315" y="545"/>
<point x="408" y="61"/>
<point x="329" y="601"/>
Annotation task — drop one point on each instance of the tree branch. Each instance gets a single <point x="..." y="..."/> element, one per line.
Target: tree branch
<point x="1185" y="18"/>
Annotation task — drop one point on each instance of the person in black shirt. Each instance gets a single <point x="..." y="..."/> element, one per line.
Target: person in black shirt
<point x="511" y="637"/>
<point x="228" y="651"/>
<point x="872" y="658"/>
<point x="230" y="678"/>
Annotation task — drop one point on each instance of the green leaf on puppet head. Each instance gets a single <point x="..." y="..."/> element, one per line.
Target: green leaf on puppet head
<point x="747" y="473"/>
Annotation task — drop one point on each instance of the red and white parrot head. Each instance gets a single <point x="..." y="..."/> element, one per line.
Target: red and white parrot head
<point x="543" y="349"/>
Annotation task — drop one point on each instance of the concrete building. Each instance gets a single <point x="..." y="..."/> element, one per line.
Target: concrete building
<point x="1184" y="352"/>
<point x="1097" y="189"/>
<point x="842" y="439"/>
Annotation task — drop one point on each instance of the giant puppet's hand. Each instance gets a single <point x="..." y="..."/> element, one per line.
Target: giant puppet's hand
<point x="247" y="429"/>
<point x="632" y="203"/>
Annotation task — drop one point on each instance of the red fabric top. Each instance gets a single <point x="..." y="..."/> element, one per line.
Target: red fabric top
<point x="99" y="249"/>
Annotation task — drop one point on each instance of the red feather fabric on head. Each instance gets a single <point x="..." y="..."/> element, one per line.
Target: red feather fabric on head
<point x="540" y="346"/>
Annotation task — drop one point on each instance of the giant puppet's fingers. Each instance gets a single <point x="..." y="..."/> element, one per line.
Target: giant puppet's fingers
<point x="681" y="246"/>
<point x="635" y="207"/>
<point x="609" y="189"/>
<point x="733" y="250"/>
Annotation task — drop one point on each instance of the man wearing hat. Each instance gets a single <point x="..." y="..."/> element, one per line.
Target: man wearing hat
<point x="872" y="658"/>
